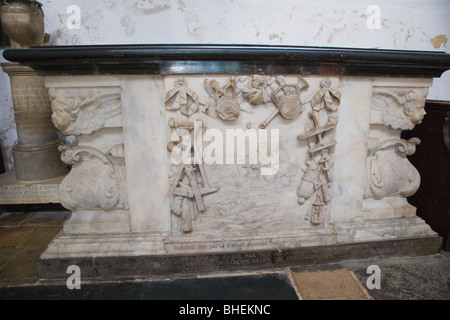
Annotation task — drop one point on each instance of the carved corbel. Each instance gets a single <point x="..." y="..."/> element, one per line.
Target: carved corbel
<point x="96" y="180"/>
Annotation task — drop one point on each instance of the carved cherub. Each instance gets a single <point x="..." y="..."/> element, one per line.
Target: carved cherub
<point x="76" y="113"/>
<point x="399" y="108"/>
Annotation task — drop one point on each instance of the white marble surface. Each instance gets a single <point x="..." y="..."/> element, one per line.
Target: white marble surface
<point x="351" y="149"/>
<point x="144" y="126"/>
<point x="98" y="222"/>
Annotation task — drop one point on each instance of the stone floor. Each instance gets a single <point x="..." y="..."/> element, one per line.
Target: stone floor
<point x="24" y="236"/>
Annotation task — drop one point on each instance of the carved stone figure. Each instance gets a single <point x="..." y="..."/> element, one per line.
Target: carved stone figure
<point x="182" y="98"/>
<point x="389" y="171"/>
<point x="96" y="180"/>
<point x="399" y="108"/>
<point x="76" y="113"/>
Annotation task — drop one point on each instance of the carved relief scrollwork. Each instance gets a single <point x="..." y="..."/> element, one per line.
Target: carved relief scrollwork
<point x="78" y="112"/>
<point x="96" y="180"/>
<point x="390" y="172"/>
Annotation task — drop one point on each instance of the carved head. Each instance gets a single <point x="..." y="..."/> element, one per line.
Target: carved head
<point x="400" y="108"/>
<point x="65" y="108"/>
<point x="325" y="83"/>
<point x="281" y="80"/>
<point x="257" y="81"/>
<point x="181" y="82"/>
<point x="413" y="104"/>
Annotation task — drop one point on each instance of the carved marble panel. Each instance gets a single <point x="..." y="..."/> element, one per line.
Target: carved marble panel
<point x="256" y="190"/>
<point x="97" y="179"/>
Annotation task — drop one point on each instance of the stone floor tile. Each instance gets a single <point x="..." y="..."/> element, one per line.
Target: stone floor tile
<point x="7" y="254"/>
<point x="13" y="218"/>
<point x="12" y="236"/>
<point x="40" y="237"/>
<point x="338" y="284"/>
<point x="47" y="218"/>
<point x="412" y="278"/>
<point x="22" y="266"/>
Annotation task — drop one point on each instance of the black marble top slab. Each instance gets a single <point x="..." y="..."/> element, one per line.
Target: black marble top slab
<point x="229" y="59"/>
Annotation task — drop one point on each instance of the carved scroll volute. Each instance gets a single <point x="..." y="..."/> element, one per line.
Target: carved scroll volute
<point x="96" y="180"/>
<point x="77" y="111"/>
